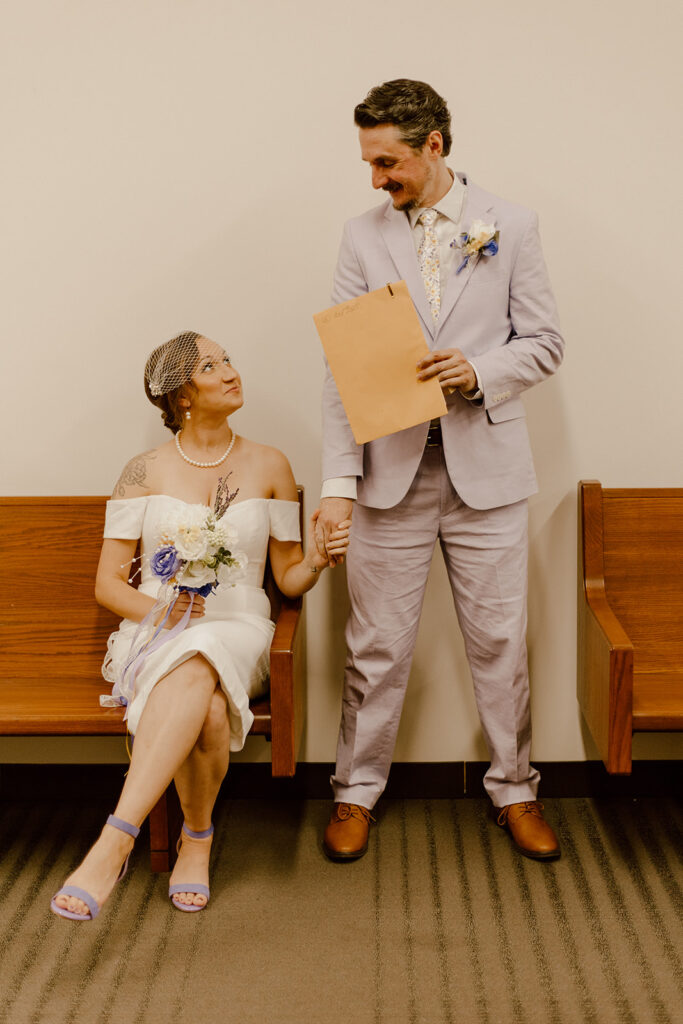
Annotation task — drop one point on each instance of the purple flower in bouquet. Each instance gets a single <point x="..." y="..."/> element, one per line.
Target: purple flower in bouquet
<point x="165" y="562"/>
<point x="223" y="496"/>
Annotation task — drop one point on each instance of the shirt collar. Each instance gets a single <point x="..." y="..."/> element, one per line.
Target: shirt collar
<point x="449" y="205"/>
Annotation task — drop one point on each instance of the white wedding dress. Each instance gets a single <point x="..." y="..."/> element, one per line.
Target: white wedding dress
<point x="235" y="632"/>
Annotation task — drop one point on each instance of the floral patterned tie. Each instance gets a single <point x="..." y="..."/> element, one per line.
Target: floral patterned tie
<point x="428" y="258"/>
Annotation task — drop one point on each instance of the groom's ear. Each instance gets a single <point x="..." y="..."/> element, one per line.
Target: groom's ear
<point x="434" y="144"/>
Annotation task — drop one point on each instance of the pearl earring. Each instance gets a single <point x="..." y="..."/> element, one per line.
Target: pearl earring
<point x="188" y="415"/>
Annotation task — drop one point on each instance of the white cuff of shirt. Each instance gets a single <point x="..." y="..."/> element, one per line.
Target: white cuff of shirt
<point x="340" y="487"/>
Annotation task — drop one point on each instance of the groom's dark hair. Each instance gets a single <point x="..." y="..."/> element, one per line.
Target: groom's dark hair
<point x="414" y="107"/>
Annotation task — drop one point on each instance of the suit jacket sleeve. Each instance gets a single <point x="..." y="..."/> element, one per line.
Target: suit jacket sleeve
<point x="535" y="347"/>
<point x="341" y="455"/>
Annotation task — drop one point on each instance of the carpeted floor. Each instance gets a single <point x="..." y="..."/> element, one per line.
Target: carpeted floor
<point x="441" y="922"/>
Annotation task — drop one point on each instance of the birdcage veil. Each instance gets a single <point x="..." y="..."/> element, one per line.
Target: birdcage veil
<point x="172" y="364"/>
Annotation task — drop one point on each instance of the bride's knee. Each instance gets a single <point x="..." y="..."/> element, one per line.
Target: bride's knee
<point x="198" y="671"/>
<point x="216" y="727"/>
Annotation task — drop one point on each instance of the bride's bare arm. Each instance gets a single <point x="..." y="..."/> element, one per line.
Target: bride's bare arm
<point x="116" y="565"/>
<point x="294" y="571"/>
<point x="113" y="591"/>
<point x="134" y="481"/>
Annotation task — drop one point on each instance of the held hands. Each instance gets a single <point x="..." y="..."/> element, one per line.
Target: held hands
<point x="452" y="369"/>
<point x="328" y="532"/>
<point x="181" y="606"/>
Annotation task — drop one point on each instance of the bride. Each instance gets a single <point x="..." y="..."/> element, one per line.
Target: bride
<point x="189" y="704"/>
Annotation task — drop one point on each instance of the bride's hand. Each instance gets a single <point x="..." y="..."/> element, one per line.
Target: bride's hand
<point x="181" y="606"/>
<point x="337" y="544"/>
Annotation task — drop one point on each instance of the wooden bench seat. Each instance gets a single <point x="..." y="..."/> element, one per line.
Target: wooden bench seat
<point x="630" y="615"/>
<point x="53" y="636"/>
<point x="657" y="701"/>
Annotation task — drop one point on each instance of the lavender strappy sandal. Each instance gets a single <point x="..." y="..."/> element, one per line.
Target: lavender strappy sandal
<point x="194" y="887"/>
<point x="81" y="894"/>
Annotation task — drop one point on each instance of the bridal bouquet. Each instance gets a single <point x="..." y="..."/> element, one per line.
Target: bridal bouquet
<point x="196" y="553"/>
<point x="195" y="550"/>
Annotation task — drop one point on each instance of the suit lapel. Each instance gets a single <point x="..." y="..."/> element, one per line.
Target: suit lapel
<point x="399" y="241"/>
<point x="476" y="207"/>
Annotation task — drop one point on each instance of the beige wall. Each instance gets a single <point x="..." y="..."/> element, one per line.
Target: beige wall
<point x="175" y="165"/>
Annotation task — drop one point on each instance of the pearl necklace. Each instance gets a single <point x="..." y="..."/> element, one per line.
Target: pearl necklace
<point x="204" y="465"/>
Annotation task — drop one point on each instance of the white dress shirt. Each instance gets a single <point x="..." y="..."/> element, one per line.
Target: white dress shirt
<point x="446" y="226"/>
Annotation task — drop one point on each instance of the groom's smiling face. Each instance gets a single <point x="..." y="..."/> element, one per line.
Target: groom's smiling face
<point x="407" y="174"/>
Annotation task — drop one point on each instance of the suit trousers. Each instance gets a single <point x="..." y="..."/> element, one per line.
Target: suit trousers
<point x="387" y="568"/>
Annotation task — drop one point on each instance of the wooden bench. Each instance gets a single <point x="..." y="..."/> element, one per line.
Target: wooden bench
<point x="53" y="637"/>
<point x="630" y="615"/>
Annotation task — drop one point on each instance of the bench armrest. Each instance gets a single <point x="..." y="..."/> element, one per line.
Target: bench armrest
<point x="287" y="686"/>
<point x="604" y="650"/>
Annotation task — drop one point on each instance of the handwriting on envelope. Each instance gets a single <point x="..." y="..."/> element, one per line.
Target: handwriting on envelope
<point x="373" y="344"/>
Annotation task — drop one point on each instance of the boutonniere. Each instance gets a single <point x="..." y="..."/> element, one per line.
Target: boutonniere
<point x="480" y="240"/>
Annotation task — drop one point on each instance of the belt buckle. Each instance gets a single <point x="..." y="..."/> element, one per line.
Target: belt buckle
<point x="433" y="437"/>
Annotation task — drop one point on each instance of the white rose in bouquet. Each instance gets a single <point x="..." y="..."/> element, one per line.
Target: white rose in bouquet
<point x="195" y="575"/>
<point x="187" y="532"/>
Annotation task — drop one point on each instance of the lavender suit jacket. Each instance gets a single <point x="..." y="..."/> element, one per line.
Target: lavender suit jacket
<point x="499" y="311"/>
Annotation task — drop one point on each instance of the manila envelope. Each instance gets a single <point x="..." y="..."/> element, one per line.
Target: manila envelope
<point x="373" y="344"/>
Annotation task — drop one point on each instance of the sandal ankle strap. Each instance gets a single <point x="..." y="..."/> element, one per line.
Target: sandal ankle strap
<point x="123" y="826"/>
<point x="198" y="835"/>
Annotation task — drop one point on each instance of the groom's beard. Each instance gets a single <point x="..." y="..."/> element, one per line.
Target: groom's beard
<point x="405" y="204"/>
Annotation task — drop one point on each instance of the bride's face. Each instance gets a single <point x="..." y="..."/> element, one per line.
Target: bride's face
<point x="218" y="383"/>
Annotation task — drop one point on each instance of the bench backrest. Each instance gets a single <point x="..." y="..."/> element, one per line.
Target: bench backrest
<point x="50" y="549"/>
<point x="643" y="568"/>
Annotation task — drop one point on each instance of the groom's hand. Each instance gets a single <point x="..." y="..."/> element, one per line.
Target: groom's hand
<point x="452" y="369"/>
<point x="332" y="512"/>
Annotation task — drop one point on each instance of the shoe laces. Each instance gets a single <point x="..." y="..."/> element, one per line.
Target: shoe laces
<point x="525" y="807"/>
<point x="346" y="811"/>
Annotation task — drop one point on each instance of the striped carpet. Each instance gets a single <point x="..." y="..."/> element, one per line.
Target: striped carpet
<point x="440" y="923"/>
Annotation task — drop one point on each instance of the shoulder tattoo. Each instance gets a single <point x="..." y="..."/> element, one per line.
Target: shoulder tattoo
<point x="134" y="474"/>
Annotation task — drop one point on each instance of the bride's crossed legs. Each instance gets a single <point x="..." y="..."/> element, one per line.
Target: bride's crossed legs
<point x="183" y="734"/>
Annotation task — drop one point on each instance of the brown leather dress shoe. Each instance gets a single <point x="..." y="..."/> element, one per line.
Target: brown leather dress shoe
<point x="529" y="832"/>
<point x="346" y="836"/>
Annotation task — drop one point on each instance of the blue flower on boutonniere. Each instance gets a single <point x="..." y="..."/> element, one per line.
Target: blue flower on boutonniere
<point x="480" y="240"/>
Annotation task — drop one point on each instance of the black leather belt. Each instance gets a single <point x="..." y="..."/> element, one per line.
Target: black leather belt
<point x="434" y="437"/>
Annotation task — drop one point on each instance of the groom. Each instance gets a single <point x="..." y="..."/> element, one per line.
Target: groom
<point x="475" y="271"/>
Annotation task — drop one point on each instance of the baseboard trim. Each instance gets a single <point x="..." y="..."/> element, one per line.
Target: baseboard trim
<point x="408" y="780"/>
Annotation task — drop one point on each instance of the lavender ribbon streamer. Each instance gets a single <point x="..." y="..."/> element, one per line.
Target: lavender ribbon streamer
<point x="136" y="646"/>
<point x="159" y="638"/>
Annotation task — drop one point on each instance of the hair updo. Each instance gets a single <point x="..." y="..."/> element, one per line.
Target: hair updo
<point x="168" y="376"/>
